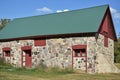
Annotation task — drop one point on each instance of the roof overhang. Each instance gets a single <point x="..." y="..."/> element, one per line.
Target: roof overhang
<point x="51" y="36"/>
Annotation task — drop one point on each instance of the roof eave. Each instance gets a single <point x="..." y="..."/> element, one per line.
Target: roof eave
<point x="87" y="34"/>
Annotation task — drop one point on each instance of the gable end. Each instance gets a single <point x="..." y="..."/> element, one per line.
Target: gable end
<point x="107" y="27"/>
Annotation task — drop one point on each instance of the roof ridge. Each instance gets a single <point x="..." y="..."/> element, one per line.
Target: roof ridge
<point x="63" y="12"/>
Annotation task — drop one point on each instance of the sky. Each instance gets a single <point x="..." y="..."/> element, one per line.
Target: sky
<point x="11" y="9"/>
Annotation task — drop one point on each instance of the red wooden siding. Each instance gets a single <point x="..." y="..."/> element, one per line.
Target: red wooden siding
<point x="40" y="42"/>
<point x="107" y="26"/>
<point x="79" y="47"/>
<point x="105" y="30"/>
<point x="26" y="48"/>
<point x="111" y="30"/>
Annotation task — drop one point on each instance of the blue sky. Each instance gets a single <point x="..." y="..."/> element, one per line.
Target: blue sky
<point x="22" y="8"/>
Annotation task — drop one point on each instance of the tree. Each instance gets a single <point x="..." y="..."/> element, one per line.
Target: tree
<point x="3" y="23"/>
<point x="117" y="50"/>
<point x="119" y="37"/>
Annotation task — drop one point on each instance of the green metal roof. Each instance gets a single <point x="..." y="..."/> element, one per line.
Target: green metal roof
<point x="76" y="21"/>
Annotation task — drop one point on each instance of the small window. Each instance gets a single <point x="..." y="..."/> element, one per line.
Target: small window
<point x="7" y="53"/>
<point x="40" y="42"/>
<point x="83" y="53"/>
<point x="77" y="53"/>
<point x="80" y="53"/>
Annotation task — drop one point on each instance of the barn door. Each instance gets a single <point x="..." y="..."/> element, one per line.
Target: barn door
<point x="80" y="57"/>
<point x="26" y="57"/>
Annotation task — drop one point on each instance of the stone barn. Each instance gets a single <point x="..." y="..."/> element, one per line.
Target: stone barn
<point x="81" y="39"/>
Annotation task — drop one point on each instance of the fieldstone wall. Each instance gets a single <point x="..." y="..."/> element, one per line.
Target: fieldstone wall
<point x="15" y="57"/>
<point x="58" y="53"/>
<point x="105" y="56"/>
<point x="15" y="51"/>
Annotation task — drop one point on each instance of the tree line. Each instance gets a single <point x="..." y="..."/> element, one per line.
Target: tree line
<point x="117" y="50"/>
<point x="3" y="23"/>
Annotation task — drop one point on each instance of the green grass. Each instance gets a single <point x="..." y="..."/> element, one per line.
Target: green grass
<point x="26" y="75"/>
<point x="118" y="65"/>
<point x="37" y="72"/>
<point x="10" y="73"/>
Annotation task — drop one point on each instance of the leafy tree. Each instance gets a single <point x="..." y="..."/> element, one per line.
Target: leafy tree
<point x="119" y="37"/>
<point x="3" y="23"/>
<point x="117" y="50"/>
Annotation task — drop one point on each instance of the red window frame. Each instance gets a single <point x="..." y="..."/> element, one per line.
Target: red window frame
<point x="40" y="42"/>
<point x="6" y="52"/>
<point x="80" y="49"/>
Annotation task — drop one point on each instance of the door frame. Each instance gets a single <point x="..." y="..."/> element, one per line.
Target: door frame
<point x="79" y="47"/>
<point x="23" y="49"/>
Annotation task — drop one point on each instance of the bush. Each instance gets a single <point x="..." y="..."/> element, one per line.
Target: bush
<point x="118" y="59"/>
<point x="117" y="51"/>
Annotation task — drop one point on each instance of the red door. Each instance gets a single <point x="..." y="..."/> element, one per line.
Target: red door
<point x="28" y="59"/>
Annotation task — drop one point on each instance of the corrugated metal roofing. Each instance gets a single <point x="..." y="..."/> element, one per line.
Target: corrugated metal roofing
<point x="76" y="21"/>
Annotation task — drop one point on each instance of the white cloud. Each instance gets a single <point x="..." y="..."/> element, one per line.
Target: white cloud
<point x="44" y="9"/>
<point x="58" y="11"/>
<point x="65" y="10"/>
<point x="115" y="13"/>
<point x="113" y="10"/>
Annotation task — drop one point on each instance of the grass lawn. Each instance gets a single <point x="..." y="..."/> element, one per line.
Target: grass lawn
<point x="52" y="74"/>
<point x="118" y="65"/>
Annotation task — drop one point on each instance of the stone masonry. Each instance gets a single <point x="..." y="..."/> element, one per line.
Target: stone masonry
<point x="58" y="53"/>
